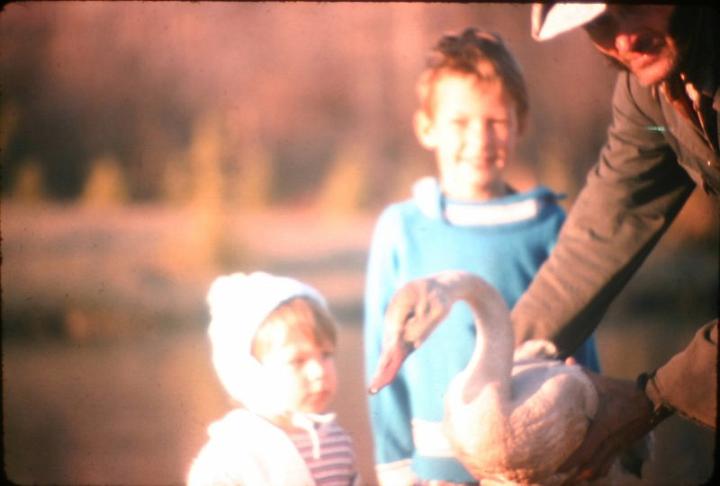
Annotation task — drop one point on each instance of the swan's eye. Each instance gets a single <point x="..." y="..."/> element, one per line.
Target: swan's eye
<point x="408" y="346"/>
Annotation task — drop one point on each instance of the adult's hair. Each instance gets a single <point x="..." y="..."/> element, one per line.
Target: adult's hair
<point x="469" y="53"/>
<point x="695" y="29"/>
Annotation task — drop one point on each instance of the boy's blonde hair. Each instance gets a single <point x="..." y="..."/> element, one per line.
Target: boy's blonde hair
<point x="469" y="53"/>
<point x="296" y="318"/>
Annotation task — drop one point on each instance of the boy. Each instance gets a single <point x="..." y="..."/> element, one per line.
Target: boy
<point x="273" y="344"/>
<point x="473" y="105"/>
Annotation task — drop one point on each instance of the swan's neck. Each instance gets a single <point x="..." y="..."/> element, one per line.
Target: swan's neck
<point x="479" y="400"/>
<point x="492" y="360"/>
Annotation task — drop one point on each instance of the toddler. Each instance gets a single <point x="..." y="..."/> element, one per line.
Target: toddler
<point x="273" y="344"/>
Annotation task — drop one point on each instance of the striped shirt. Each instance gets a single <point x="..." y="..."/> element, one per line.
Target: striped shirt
<point x="329" y="455"/>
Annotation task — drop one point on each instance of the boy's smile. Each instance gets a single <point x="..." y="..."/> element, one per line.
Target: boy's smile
<point x="472" y="130"/>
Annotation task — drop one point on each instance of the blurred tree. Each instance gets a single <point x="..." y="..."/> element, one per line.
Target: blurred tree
<point x="207" y="215"/>
<point x="344" y="189"/>
<point x="176" y="180"/>
<point x="29" y="186"/>
<point x="105" y="185"/>
<point x="296" y="82"/>
<point x="253" y="176"/>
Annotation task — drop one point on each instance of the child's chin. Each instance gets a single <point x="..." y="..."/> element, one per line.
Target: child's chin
<point x="319" y="405"/>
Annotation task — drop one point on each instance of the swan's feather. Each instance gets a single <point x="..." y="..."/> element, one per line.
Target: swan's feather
<point x="545" y="421"/>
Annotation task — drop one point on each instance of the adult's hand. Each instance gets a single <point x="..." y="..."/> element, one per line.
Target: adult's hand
<point x="624" y="415"/>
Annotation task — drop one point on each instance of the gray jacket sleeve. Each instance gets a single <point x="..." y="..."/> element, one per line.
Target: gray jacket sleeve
<point x="688" y="382"/>
<point x="631" y="196"/>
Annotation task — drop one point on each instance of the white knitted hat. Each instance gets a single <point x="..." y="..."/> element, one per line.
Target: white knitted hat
<point x="549" y="19"/>
<point x="239" y="303"/>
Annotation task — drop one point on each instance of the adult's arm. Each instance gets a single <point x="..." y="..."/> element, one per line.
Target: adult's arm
<point x="632" y="195"/>
<point x="630" y="198"/>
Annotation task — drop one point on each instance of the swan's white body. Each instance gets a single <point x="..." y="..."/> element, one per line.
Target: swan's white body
<point x="522" y="428"/>
<point x="510" y="417"/>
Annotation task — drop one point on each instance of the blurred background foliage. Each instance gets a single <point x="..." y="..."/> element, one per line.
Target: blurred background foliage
<point x="146" y="147"/>
<point x="200" y="113"/>
<point x="261" y="103"/>
<point x="279" y="99"/>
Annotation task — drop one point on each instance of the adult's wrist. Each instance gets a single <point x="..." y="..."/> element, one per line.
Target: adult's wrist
<point x="660" y="409"/>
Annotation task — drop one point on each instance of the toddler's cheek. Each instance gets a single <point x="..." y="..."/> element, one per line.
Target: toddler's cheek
<point x="277" y="385"/>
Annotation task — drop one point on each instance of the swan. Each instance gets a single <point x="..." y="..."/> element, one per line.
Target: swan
<point x="510" y="416"/>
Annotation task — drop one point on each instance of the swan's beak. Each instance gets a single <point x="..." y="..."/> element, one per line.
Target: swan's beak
<point x="389" y="364"/>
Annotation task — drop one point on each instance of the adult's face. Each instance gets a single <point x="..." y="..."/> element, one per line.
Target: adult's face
<point x="638" y="37"/>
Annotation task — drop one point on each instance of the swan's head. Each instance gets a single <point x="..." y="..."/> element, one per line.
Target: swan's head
<point x="392" y="358"/>
<point x="414" y="311"/>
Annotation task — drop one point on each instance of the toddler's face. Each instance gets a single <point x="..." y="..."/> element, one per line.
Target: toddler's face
<point x="302" y="373"/>
<point x="473" y="131"/>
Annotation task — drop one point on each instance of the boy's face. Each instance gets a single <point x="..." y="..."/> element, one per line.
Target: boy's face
<point x="302" y="372"/>
<point x="473" y="131"/>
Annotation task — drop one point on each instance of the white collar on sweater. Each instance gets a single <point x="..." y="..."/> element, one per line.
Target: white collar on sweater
<point x="429" y="198"/>
<point x="474" y="215"/>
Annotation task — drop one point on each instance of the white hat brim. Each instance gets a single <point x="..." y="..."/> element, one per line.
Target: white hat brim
<point x="548" y="22"/>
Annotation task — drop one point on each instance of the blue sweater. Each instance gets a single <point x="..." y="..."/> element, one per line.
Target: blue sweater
<point x="503" y="240"/>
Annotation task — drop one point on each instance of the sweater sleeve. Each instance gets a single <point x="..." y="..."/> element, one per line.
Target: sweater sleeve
<point x="390" y="408"/>
<point x="632" y="195"/>
<point x="586" y="354"/>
